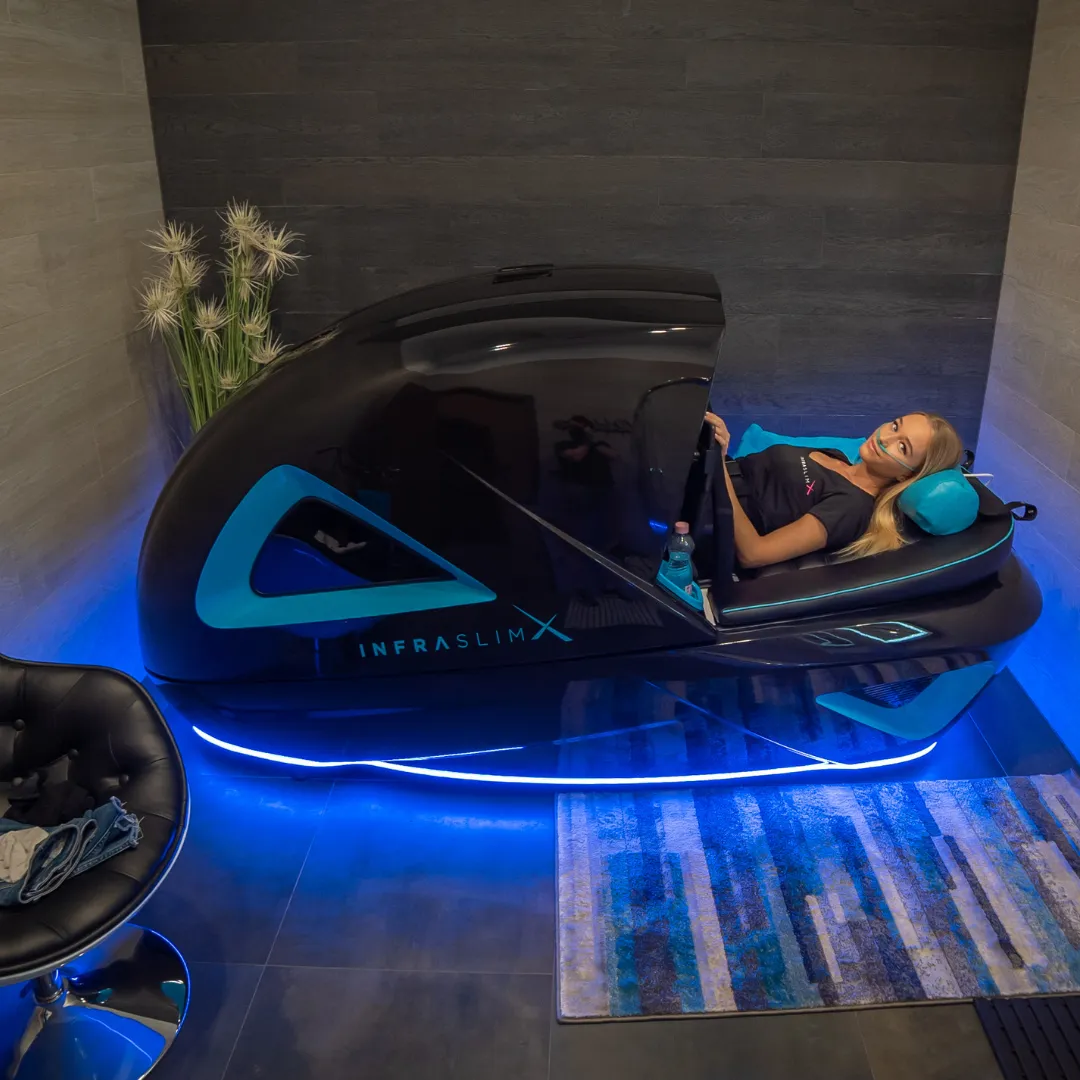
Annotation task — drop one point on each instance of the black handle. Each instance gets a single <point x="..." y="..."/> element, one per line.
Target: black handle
<point x="1029" y="511"/>
<point x="523" y="273"/>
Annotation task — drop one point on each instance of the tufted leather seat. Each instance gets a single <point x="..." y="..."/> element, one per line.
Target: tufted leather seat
<point x="104" y="731"/>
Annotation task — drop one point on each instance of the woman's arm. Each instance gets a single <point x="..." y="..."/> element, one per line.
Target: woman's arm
<point x="799" y="538"/>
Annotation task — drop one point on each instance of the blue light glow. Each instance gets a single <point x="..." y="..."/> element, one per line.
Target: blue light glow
<point x="568" y="781"/>
<point x="914" y="632"/>
<point x="459" y="753"/>
<point x="658" y="526"/>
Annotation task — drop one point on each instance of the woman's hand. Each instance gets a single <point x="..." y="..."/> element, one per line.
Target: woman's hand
<point x="720" y="431"/>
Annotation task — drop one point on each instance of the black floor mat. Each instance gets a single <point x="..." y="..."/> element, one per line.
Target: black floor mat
<point x="1036" y="1038"/>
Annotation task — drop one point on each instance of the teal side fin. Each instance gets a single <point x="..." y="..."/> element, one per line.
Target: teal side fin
<point x="941" y="702"/>
<point x="225" y="599"/>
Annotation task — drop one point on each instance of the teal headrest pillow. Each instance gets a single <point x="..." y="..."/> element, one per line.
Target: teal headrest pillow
<point x="942" y="503"/>
<point x="756" y="438"/>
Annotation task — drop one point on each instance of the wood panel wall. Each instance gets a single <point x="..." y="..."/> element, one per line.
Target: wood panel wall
<point x="1031" y="427"/>
<point x="78" y="190"/>
<point x="845" y="167"/>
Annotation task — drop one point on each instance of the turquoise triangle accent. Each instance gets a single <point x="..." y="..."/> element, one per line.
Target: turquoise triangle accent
<point x="937" y="706"/>
<point x="225" y="599"/>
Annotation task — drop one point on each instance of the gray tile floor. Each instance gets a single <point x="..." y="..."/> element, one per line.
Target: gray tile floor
<point x="374" y="930"/>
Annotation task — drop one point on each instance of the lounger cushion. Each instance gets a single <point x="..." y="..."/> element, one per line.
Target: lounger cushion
<point x="756" y="438"/>
<point x="925" y="567"/>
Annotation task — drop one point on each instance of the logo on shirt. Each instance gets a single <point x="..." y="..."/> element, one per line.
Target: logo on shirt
<point x="806" y="476"/>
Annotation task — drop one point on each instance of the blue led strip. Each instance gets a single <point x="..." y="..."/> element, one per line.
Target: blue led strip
<point x="874" y="584"/>
<point x="567" y="781"/>
<point x="459" y="753"/>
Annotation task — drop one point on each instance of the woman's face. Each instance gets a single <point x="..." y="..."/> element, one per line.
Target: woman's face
<point x="898" y="447"/>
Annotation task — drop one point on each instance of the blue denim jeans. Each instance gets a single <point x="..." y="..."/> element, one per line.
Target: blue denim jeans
<point x="67" y="850"/>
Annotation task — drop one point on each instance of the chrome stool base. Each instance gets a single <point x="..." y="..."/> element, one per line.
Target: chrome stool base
<point x="112" y="1013"/>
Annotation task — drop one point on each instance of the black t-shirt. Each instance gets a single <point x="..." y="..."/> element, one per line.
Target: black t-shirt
<point x="783" y="483"/>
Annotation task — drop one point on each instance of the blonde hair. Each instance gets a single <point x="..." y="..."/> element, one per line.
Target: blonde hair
<point x="883" y="533"/>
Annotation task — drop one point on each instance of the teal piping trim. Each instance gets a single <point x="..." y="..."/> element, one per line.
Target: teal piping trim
<point x="875" y="584"/>
<point x="225" y="599"/>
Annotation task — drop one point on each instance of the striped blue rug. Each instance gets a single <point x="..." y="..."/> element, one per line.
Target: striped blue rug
<point x="720" y="900"/>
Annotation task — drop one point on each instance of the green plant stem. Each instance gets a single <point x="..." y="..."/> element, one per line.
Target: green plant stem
<point x="210" y="368"/>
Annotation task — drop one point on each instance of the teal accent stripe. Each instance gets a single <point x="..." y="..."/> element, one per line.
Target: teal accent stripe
<point x="225" y="599"/>
<point x="875" y="584"/>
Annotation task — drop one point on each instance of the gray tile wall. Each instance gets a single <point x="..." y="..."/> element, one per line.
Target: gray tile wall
<point x="845" y="166"/>
<point x="1030" y="436"/>
<point x="78" y="189"/>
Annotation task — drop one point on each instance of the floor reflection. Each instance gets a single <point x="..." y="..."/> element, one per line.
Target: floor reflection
<point x="614" y="730"/>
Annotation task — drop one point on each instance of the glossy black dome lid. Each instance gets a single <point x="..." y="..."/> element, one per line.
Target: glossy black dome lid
<point x="416" y="403"/>
<point x="635" y="292"/>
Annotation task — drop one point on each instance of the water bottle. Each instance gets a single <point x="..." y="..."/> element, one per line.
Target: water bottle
<point x="679" y="570"/>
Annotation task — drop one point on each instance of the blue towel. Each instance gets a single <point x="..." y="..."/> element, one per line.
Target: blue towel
<point x="34" y="860"/>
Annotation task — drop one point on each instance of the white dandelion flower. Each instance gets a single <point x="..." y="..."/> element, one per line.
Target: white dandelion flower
<point x="278" y="257"/>
<point x="187" y="271"/>
<point x="243" y="223"/>
<point x="158" y="301"/>
<point x="210" y="315"/>
<point x="255" y="326"/>
<point x="172" y="239"/>
<point x="267" y="351"/>
<point x="245" y="274"/>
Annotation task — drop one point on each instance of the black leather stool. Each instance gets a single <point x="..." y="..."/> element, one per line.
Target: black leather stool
<point x="107" y="999"/>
